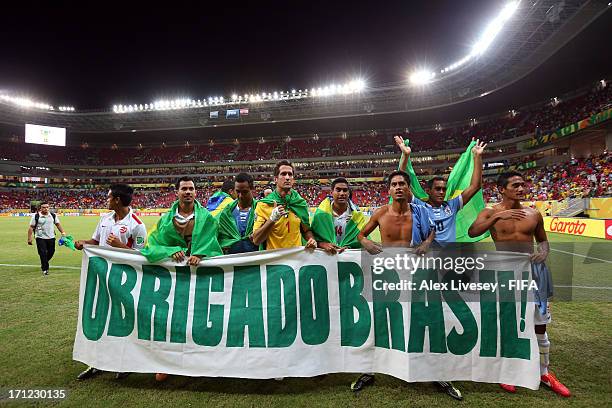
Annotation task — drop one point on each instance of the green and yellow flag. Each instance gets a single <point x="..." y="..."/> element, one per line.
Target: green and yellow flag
<point x="459" y="180"/>
<point x="293" y="202"/>
<point x="228" y="230"/>
<point x="323" y="225"/>
<point x="415" y="185"/>
<point x="217" y="202"/>
<point x="164" y="241"/>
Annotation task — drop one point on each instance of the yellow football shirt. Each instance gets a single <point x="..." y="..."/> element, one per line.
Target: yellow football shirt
<point x="284" y="234"/>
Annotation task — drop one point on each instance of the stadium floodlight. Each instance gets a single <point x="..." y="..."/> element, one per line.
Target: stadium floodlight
<point x="234" y="97"/>
<point x="422" y="77"/>
<point x="359" y="85"/>
<point x="493" y="28"/>
<point x="25" y="102"/>
<point x="486" y="39"/>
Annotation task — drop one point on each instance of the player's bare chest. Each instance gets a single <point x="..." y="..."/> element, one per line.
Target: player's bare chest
<point x="525" y="226"/>
<point x="395" y="223"/>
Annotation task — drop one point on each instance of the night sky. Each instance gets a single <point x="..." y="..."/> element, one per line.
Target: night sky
<point x="96" y="56"/>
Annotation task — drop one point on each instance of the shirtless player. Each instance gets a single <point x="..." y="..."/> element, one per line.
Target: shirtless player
<point x="513" y="227"/>
<point x="402" y="224"/>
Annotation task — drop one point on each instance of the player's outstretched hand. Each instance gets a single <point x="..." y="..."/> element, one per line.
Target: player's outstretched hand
<point x="330" y="248"/>
<point x="78" y="244"/>
<point x="479" y="148"/>
<point x="311" y="244"/>
<point x="372" y="247"/>
<point x="178" y="256"/>
<point x="194" y="260"/>
<point x="399" y="141"/>
<point x="513" y="214"/>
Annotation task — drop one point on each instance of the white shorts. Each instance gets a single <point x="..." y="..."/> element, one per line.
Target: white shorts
<point x="539" y="318"/>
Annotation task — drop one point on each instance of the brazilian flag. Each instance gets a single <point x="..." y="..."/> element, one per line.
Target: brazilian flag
<point x="323" y="225"/>
<point x="164" y="241"/>
<point x="293" y="202"/>
<point x="415" y="185"/>
<point x="228" y="230"/>
<point x="217" y="202"/>
<point x="459" y="180"/>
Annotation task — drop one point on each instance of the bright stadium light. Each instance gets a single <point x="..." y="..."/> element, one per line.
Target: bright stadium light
<point x="354" y="86"/>
<point x="494" y="28"/>
<point x="487" y="37"/>
<point x="357" y="85"/>
<point x="422" y="77"/>
<point x="26" y="102"/>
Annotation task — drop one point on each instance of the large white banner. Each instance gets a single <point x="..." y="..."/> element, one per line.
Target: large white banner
<point x="291" y="313"/>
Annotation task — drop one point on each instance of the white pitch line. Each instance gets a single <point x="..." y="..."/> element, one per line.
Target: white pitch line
<point x="582" y="256"/>
<point x="584" y="287"/>
<point x="38" y="266"/>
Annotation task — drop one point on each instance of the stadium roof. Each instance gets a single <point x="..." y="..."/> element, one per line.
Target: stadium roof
<point x="535" y="31"/>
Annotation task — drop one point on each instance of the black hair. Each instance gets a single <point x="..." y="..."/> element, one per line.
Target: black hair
<point x="398" y="173"/>
<point x="123" y="192"/>
<point x="502" y="180"/>
<point x="42" y="203"/>
<point x="343" y="180"/>
<point x="184" y="178"/>
<point x="228" y="185"/>
<point x="338" y="181"/>
<point x="242" y="177"/>
<point x="431" y="182"/>
<point x="282" y="163"/>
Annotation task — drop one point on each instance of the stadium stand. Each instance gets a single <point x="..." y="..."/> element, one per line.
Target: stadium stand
<point x="370" y="154"/>
<point x="544" y="117"/>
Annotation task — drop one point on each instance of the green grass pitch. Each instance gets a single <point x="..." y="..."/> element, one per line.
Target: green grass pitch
<point x="38" y="322"/>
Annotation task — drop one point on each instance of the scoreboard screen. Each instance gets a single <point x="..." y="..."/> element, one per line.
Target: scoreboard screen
<point x="46" y="135"/>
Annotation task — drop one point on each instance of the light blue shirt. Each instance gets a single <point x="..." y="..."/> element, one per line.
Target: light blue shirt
<point x="443" y="218"/>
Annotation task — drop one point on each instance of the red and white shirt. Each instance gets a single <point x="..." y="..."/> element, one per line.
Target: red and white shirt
<point x="130" y="230"/>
